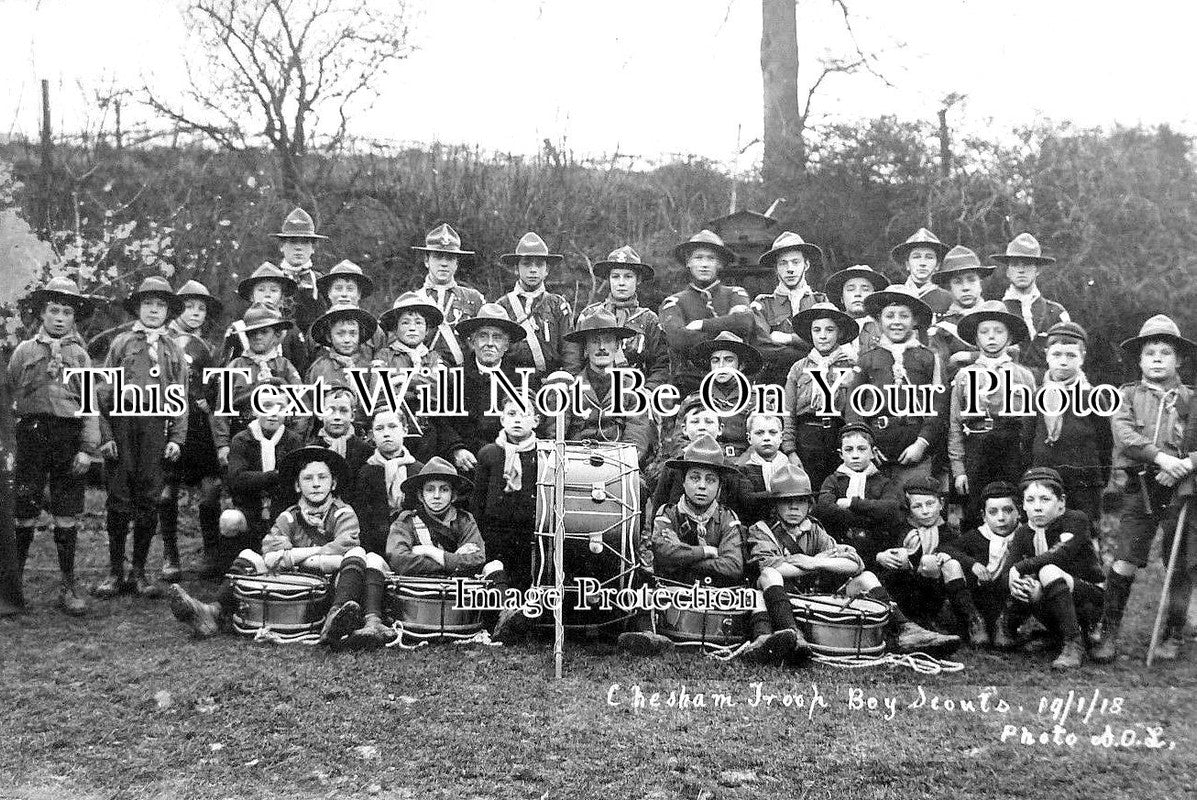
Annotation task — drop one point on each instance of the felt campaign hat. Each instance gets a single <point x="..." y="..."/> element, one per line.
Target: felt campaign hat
<point x="266" y="272"/>
<point x="958" y="261"/>
<point x="833" y="287"/>
<point x="259" y="316"/>
<point x="708" y="239"/>
<point x="1023" y="247"/>
<point x="1159" y="327"/>
<point x="750" y="357"/>
<point x="627" y="258"/>
<point x="346" y="269"/>
<point x="921" y="238"/>
<point x="491" y="315"/>
<point x="789" y="483"/>
<point x="598" y="321"/>
<point x="443" y="239"/>
<point x="154" y="286"/>
<point x="294" y="462"/>
<point x="877" y="301"/>
<point x="702" y="452"/>
<point x="849" y="328"/>
<point x="194" y="290"/>
<point x="784" y="243"/>
<point x="992" y="310"/>
<point x="299" y="225"/>
<point x="1070" y="330"/>
<point x="531" y="245"/>
<point x="322" y="327"/>
<point x="410" y="301"/>
<point x="437" y="469"/>
<point x="66" y="291"/>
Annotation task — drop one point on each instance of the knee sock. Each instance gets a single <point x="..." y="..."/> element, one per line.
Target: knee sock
<point x="1118" y="589"/>
<point x="209" y="518"/>
<point x="961" y="599"/>
<point x="65" y="540"/>
<point x="1178" y="598"/>
<point x="376" y="589"/>
<point x="168" y="522"/>
<point x="759" y="624"/>
<point x="1057" y="599"/>
<point x="895" y="615"/>
<point x="781" y="613"/>
<point x="24" y="542"/>
<point x="118" y="532"/>
<point x="351" y="581"/>
<point x="144" y="529"/>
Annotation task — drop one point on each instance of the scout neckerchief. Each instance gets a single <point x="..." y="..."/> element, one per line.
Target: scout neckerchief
<point x="525" y="319"/>
<point x="795" y="295"/>
<point x="803" y="401"/>
<point x="791" y="540"/>
<point x="262" y="362"/>
<point x="182" y="337"/>
<point x="993" y="364"/>
<point x="917" y="291"/>
<point x="394" y="470"/>
<point x="54" y="365"/>
<point x="923" y="538"/>
<point x="621" y="309"/>
<point x="1166" y="395"/>
<point x="444" y="301"/>
<point x="152" y="336"/>
<point x="1040" y="539"/>
<point x="304" y="276"/>
<point x="315" y="516"/>
<point x="998" y="546"/>
<point x="427" y="525"/>
<point x="336" y="443"/>
<point x="266" y="451"/>
<point x="898" y="351"/>
<point x="415" y="354"/>
<point x="513" y="470"/>
<point x="1054" y="422"/>
<point x="1026" y="300"/>
<point x="707" y="294"/>
<point x="768" y="466"/>
<point x="346" y="363"/>
<point x="857" y="480"/>
<point x="695" y="520"/>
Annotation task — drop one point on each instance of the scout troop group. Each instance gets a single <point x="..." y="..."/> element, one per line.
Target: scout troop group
<point x="794" y="499"/>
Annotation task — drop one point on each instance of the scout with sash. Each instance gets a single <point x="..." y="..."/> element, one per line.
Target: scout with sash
<point x="442" y="255"/>
<point x="546" y="317"/>
<point x="779" y="344"/>
<point x="297" y="245"/>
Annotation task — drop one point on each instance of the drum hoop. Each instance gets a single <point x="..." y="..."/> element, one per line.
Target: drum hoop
<point x="279" y="588"/>
<point x="823" y="608"/>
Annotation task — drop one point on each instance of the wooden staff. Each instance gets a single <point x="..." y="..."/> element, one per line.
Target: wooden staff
<point x="559" y="543"/>
<point x="1158" y="629"/>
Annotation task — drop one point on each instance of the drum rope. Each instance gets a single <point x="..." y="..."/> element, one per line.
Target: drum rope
<point x="921" y="663"/>
<point x="269" y="635"/>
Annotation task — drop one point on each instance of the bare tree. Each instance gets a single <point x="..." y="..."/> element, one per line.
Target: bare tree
<point x="787" y="111"/>
<point x="284" y="70"/>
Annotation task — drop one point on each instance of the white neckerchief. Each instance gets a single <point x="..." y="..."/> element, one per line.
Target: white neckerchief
<point x="1054" y="423"/>
<point x="417" y="354"/>
<point x="898" y="351"/>
<point x="1040" y="539"/>
<point x="55" y="363"/>
<point x="994" y="362"/>
<point x="701" y="518"/>
<point x="152" y="335"/>
<point x="263" y="360"/>
<point x="917" y="291"/>
<point x="337" y="444"/>
<point x="1025" y="301"/>
<point x="521" y="306"/>
<point x="444" y="292"/>
<point x="998" y="545"/>
<point x="925" y="539"/>
<point x="395" y="472"/>
<point x="513" y="469"/>
<point x="707" y="294"/>
<point x="266" y="446"/>
<point x="856" y="480"/>
<point x="768" y="467"/>
<point x="795" y="295"/>
<point x="816" y="360"/>
<point x="315" y="515"/>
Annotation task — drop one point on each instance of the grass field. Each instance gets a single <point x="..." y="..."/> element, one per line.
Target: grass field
<point x="123" y="704"/>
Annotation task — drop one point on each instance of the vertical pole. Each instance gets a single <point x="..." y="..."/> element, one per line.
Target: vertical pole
<point x="119" y="138"/>
<point x="1157" y="629"/>
<point x="559" y="544"/>
<point x="945" y="144"/>
<point x="47" y="159"/>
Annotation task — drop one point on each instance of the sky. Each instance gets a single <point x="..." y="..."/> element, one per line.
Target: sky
<point x="654" y="78"/>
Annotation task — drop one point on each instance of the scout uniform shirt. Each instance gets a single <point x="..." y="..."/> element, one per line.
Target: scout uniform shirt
<point x="871" y="519"/>
<point x="138" y="351"/>
<point x="994" y="415"/>
<point x="720" y="307"/>
<point x="803" y="401"/>
<point x="646" y="350"/>
<point x="37" y="388"/>
<point x="1149" y="420"/>
<point x="892" y="432"/>
<point x="547" y="318"/>
<point x="456" y="303"/>
<point x="679" y="535"/>
<point x="772" y="313"/>
<point x="1039" y="314"/>
<point x="773" y="544"/>
<point x="595" y="422"/>
<point x="332" y="527"/>
<point x="451" y="532"/>
<point x="261" y="369"/>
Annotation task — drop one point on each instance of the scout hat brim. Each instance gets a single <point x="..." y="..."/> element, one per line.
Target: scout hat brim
<point x="900" y="253"/>
<point x="314" y="237"/>
<point x="445" y="250"/>
<point x="83" y="304"/>
<point x="246" y="287"/>
<point x="602" y="269"/>
<point x="325" y="281"/>
<point x="173" y="304"/>
<point x="967" y="327"/>
<point x="774" y="498"/>
<point x="618" y="331"/>
<point x="1004" y="258"/>
<point x="848" y="327"/>
<point x="214" y="304"/>
<point x="682" y="252"/>
<point x="319" y="332"/>
<point x="416" y="482"/>
<point x="294" y="462"/>
<point x="683" y="464"/>
<point x="1133" y="345"/>
<point x="390" y="318"/>
<point x="282" y="324"/>
<point x="833" y="287"/>
<point x="877" y="301"/>
<point x="513" y="259"/>
<point x="943" y="277"/>
<point x="750" y="357"/>
<point x="813" y="253"/>
<point x="467" y="327"/>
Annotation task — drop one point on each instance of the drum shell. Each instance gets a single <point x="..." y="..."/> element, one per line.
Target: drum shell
<point x="835" y="625"/>
<point x="721" y="628"/>
<point x="430" y="607"/>
<point x="290" y="603"/>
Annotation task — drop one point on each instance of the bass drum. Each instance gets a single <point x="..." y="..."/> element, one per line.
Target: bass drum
<point x="428" y="609"/>
<point x="602" y="523"/>
<point x="841" y="626"/>
<point x="289" y="604"/>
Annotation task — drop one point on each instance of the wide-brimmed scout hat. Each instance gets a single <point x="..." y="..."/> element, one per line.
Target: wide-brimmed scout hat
<point x="299" y="225"/>
<point x="626" y="258"/>
<point x="848" y="327"/>
<point x="346" y="269"/>
<point x="437" y="469"/>
<point x="707" y="239"/>
<point x="194" y="290"/>
<point x="958" y="261"/>
<point x="259" y="316"/>
<point x="1159" y="327"/>
<point x="877" y="301"/>
<point x="789" y="483"/>
<point x="1023" y="247"/>
<point x="154" y="286"/>
<point x="702" y="452"/>
<point x="750" y="357"/>
<point x="294" y="462"/>
<point x="921" y="238"/>
<point x="833" y="287"/>
<point x="787" y="241"/>
<point x="443" y="239"/>
<point x="531" y="245"/>
<point x="266" y="272"/>
<point x="66" y="291"/>
<point x="322" y="327"/>
<point x="1070" y="330"/>
<point x="995" y="310"/>
<point x="410" y="301"/>
<point x="491" y="315"/>
<point x="598" y="321"/>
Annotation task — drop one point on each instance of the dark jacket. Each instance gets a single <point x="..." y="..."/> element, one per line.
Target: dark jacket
<point x="1076" y="555"/>
<point x="258" y="494"/>
<point x="871" y="523"/>
<point x="493" y="505"/>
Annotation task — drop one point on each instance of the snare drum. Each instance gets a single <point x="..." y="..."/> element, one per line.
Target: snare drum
<point x="836" y="625"/>
<point x="715" y="628"/>
<point x="427" y="607"/>
<point x="287" y="604"/>
<point x="602" y="521"/>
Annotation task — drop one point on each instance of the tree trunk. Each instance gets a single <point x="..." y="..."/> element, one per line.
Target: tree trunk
<point x="290" y="168"/>
<point x="785" y="153"/>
